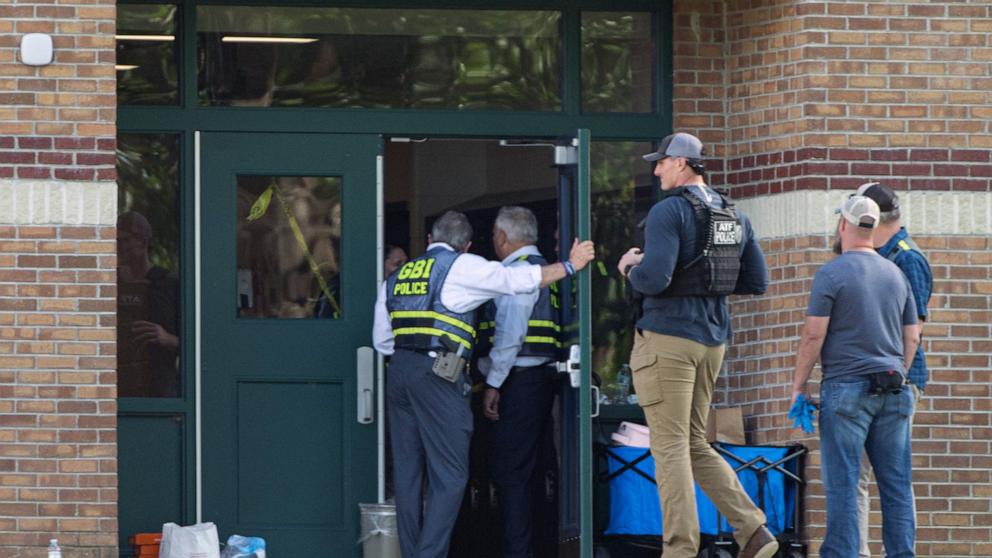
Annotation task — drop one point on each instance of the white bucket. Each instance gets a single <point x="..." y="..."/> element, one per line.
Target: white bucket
<point x="380" y="538"/>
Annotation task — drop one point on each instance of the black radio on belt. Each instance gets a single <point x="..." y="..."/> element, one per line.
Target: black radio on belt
<point x="887" y="381"/>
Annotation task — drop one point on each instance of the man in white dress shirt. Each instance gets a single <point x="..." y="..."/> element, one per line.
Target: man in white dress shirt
<point x="520" y="380"/>
<point x="425" y="318"/>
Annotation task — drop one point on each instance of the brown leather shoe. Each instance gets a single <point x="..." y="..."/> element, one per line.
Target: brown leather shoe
<point x="761" y="545"/>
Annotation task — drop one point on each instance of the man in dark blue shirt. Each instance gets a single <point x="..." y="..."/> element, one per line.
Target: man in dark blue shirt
<point x="681" y="339"/>
<point x="893" y="242"/>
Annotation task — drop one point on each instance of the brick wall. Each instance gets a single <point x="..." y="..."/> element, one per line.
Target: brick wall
<point x="58" y="467"/>
<point x="824" y="94"/>
<point x="816" y="98"/>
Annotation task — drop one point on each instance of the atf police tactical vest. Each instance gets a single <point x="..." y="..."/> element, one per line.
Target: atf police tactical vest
<point x="714" y="269"/>
<point x="418" y="318"/>
<point x="543" y="331"/>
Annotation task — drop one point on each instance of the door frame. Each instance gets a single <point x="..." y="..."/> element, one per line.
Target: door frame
<point x="357" y="442"/>
<point x="583" y="230"/>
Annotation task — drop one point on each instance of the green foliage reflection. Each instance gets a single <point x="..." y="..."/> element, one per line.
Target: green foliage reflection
<point x="617" y="62"/>
<point x="452" y="59"/>
<point x="622" y="193"/>
<point x="147" y="72"/>
<point x="148" y="183"/>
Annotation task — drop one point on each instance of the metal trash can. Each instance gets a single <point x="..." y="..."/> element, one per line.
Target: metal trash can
<point x="380" y="539"/>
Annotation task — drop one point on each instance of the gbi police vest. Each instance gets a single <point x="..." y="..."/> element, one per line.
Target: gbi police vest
<point x="714" y="269"/>
<point x="418" y="318"/>
<point x="542" y="327"/>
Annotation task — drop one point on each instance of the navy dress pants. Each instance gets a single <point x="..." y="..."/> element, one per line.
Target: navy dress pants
<point x="430" y="426"/>
<point x="525" y="402"/>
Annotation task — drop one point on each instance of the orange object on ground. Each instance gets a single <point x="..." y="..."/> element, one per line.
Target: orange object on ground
<point x="140" y="539"/>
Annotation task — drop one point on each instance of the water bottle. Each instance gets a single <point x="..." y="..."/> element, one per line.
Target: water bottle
<point x="623" y="384"/>
<point x="54" y="551"/>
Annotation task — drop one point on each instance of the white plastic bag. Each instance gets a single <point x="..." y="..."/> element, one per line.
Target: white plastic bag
<point x="194" y="541"/>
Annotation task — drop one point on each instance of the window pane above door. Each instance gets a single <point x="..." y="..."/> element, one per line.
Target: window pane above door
<point x="618" y="60"/>
<point x="289" y="246"/>
<point x="146" y="65"/>
<point x="378" y="58"/>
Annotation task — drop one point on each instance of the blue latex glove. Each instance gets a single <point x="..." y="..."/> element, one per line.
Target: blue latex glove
<point x="802" y="414"/>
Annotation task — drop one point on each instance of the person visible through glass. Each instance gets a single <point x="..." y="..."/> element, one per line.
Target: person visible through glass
<point x="147" y="315"/>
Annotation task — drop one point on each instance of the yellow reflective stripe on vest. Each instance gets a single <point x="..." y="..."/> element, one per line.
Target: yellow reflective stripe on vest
<point x="430" y="331"/>
<point x="544" y="323"/>
<point x="434" y="316"/>
<point x="538" y="339"/>
<point x="905" y="245"/>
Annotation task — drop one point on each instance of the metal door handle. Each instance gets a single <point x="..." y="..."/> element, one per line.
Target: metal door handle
<point x="595" y="398"/>
<point x="365" y="384"/>
<point x="572" y="366"/>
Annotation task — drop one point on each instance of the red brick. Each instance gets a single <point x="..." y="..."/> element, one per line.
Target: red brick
<point x="34" y="142"/>
<point x="34" y="172"/>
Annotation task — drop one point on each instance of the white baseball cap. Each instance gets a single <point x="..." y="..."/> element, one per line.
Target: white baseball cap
<point x="861" y="211"/>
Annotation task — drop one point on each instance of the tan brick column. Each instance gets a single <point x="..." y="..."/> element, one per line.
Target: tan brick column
<point x="58" y="466"/>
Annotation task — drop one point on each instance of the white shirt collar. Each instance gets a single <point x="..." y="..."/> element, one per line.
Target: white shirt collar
<point x="444" y="245"/>
<point x="529" y="250"/>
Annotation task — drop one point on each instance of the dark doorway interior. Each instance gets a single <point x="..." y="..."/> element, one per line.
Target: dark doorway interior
<point x="423" y="179"/>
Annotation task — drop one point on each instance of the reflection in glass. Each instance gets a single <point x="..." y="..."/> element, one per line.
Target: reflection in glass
<point x="146" y="55"/>
<point x="617" y="62"/>
<point x="623" y="190"/>
<point x="289" y="246"/>
<point x="148" y="307"/>
<point x="356" y="57"/>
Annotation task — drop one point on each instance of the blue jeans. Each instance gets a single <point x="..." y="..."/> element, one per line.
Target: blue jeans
<point x="853" y="422"/>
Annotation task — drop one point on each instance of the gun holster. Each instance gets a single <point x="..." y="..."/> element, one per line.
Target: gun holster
<point x="449" y="364"/>
<point x="887" y="381"/>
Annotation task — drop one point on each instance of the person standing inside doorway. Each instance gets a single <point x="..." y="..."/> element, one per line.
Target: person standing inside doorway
<point x="893" y="242"/>
<point x="861" y="325"/>
<point x="520" y="381"/>
<point x="394" y="259"/>
<point x="148" y="315"/>
<point x="697" y="250"/>
<point x="425" y="319"/>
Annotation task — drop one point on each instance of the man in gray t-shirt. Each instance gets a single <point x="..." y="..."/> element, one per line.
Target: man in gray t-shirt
<point x="861" y="325"/>
<point x="868" y="300"/>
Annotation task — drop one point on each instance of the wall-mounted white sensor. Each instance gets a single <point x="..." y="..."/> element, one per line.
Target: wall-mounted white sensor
<point x="36" y="49"/>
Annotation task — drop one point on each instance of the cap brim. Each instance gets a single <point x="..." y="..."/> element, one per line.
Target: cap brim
<point x="651" y="157"/>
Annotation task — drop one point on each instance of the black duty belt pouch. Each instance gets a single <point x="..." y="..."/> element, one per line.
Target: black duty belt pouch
<point x="888" y="381"/>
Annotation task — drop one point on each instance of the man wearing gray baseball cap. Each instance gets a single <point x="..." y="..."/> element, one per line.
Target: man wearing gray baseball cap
<point x="697" y="250"/>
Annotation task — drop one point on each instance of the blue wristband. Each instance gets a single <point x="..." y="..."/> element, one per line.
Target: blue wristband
<point x="569" y="268"/>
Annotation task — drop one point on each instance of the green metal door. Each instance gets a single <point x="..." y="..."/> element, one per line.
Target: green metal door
<point x="287" y="286"/>
<point x="584" y="305"/>
<point x="576" y="399"/>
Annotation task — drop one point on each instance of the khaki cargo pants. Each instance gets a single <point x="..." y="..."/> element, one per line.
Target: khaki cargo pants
<point x="674" y="380"/>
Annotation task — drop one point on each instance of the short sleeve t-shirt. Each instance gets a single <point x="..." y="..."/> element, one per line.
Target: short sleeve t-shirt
<point x="868" y="301"/>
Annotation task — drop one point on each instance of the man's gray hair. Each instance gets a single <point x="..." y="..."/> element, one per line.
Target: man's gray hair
<point x="889" y="216"/>
<point x="519" y="224"/>
<point x="453" y="229"/>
